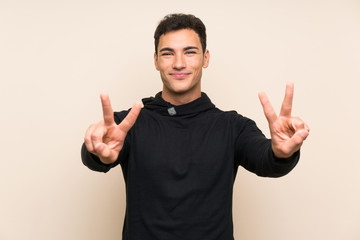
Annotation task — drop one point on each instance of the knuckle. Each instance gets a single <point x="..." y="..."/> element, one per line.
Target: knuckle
<point x="95" y="137"/>
<point x="87" y="139"/>
<point x="298" y="119"/>
<point x="301" y="124"/>
<point x="89" y="129"/>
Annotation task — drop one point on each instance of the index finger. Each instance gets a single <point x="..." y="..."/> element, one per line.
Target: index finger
<point x="267" y="107"/>
<point x="108" y="113"/>
<point x="288" y="99"/>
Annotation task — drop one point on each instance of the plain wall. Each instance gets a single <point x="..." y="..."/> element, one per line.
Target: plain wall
<point x="57" y="56"/>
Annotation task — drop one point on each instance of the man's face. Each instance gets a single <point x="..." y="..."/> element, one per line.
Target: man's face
<point x="180" y="60"/>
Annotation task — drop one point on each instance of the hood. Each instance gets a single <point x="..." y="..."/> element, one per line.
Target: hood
<point x="159" y="105"/>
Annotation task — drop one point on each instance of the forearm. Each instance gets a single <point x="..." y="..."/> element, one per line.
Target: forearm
<point x="254" y="153"/>
<point x="277" y="167"/>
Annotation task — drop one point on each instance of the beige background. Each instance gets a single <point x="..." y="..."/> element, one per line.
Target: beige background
<point x="57" y="56"/>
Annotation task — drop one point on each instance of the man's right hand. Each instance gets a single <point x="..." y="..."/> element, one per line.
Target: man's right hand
<point x="106" y="139"/>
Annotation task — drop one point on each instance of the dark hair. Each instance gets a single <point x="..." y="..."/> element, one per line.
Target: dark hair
<point x="180" y="21"/>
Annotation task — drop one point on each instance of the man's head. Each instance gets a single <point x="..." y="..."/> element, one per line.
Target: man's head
<point x="180" y="56"/>
<point x="173" y="22"/>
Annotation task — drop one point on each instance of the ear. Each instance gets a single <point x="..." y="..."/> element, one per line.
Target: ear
<point x="206" y="59"/>
<point x="155" y="61"/>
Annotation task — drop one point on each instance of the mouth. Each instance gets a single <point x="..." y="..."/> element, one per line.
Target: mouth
<point x="179" y="75"/>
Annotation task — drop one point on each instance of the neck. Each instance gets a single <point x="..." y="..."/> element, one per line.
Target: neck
<point x="180" y="98"/>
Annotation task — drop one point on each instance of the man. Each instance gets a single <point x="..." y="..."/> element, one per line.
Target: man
<point x="179" y="153"/>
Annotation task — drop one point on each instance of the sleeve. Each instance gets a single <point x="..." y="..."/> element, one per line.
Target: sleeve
<point x="93" y="162"/>
<point x="254" y="152"/>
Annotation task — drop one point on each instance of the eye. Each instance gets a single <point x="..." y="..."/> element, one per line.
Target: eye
<point x="166" y="54"/>
<point x="190" y="52"/>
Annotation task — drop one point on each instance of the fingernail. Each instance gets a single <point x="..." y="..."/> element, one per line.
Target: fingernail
<point x="99" y="148"/>
<point x="304" y="134"/>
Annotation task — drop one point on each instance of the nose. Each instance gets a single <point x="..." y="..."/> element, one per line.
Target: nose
<point x="179" y="62"/>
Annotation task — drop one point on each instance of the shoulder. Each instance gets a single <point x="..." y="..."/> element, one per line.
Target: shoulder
<point x="231" y="115"/>
<point x="119" y="116"/>
<point x="233" y="118"/>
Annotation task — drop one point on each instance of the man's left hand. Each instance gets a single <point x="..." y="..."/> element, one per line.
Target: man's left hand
<point x="287" y="132"/>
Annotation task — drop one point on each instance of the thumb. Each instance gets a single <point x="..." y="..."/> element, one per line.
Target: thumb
<point x="298" y="138"/>
<point x="105" y="154"/>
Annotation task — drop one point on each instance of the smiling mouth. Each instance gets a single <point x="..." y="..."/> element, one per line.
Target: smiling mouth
<point x="179" y="75"/>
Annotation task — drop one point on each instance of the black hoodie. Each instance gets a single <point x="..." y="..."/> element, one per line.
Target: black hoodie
<point x="179" y="165"/>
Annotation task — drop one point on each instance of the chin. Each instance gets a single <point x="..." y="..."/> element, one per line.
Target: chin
<point x="182" y="89"/>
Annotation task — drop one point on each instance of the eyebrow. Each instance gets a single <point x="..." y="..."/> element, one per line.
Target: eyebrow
<point x="191" y="47"/>
<point x="172" y="50"/>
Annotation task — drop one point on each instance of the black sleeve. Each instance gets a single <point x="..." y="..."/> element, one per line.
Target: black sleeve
<point x="254" y="152"/>
<point x="94" y="163"/>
